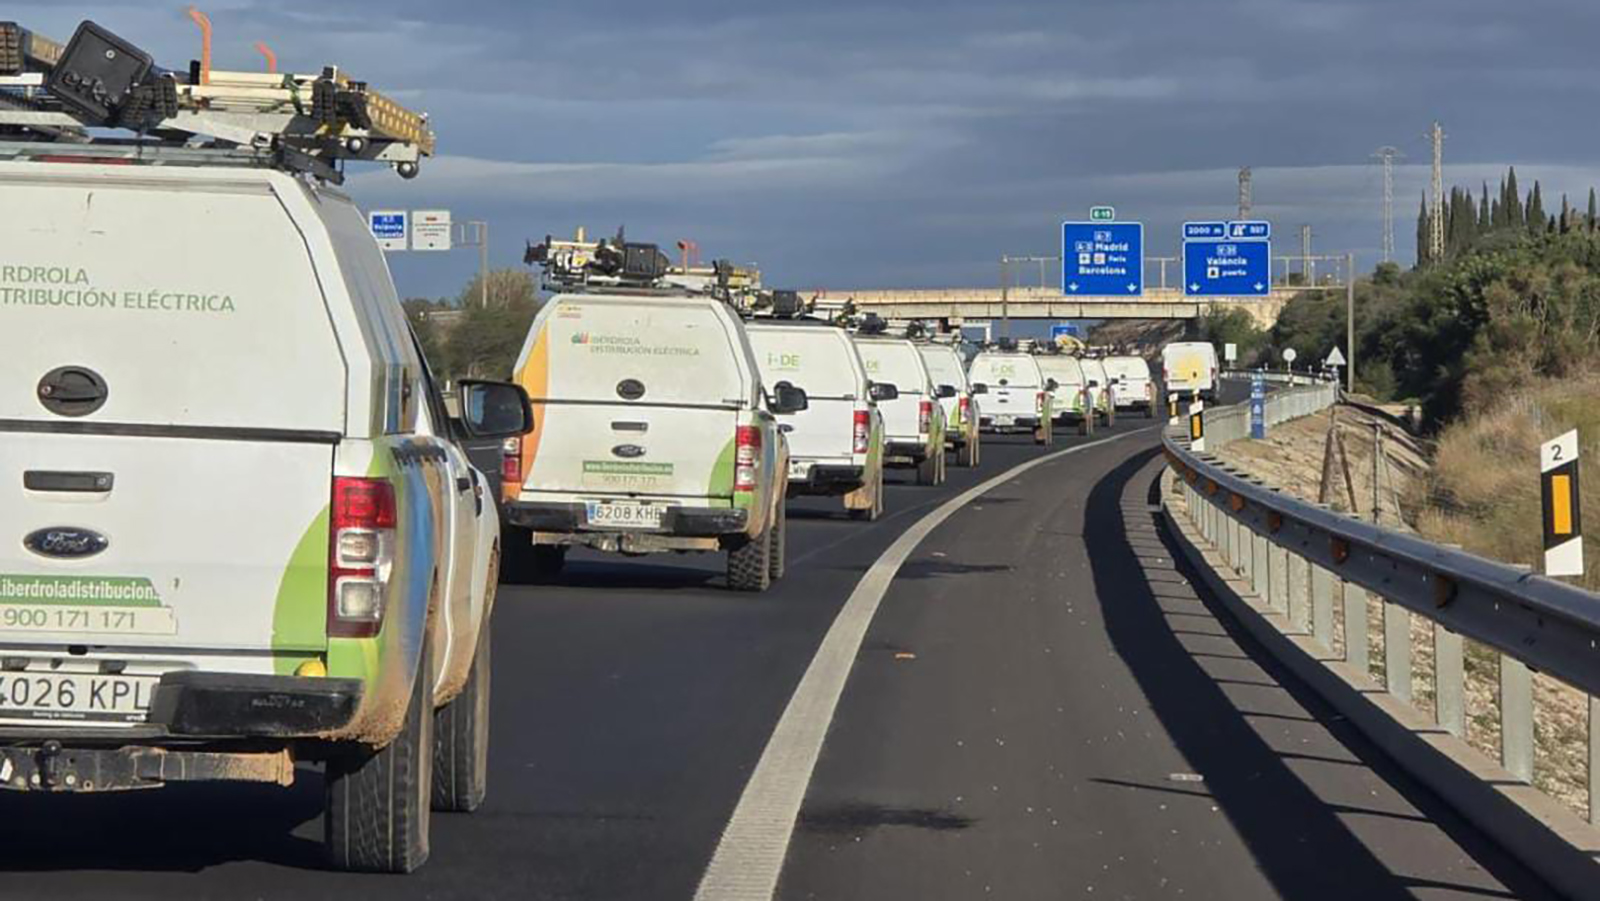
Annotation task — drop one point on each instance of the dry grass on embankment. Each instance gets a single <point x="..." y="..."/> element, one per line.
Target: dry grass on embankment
<point x="1481" y="493"/>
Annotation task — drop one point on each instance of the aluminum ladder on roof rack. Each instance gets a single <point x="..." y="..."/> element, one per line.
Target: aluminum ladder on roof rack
<point x="51" y="92"/>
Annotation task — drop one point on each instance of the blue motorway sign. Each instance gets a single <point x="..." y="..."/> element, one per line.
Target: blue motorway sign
<point x="1102" y="258"/>
<point x="1249" y="231"/>
<point x="1204" y="231"/>
<point x="1258" y="406"/>
<point x="1227" y="268"/>
<point x="1060" y="329"/>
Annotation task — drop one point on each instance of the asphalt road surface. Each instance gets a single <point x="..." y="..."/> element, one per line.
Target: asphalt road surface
<point x="1043" y="707"/>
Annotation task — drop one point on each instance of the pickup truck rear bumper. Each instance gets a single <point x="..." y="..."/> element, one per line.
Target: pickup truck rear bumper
<point x="828" y="479"/>
<point x="202" y="726"/>
<point x="690" y="522"/>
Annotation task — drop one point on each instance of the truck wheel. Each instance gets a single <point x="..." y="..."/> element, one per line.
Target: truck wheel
<point x="871" y="513"/>
<point x="546" y="561"/>
<point x="461" y="739"/>
<point x="780" y="542"/>
<point x="928" y="470"/>
<point x="378" y="800"/>
<point x="750" y="563"/>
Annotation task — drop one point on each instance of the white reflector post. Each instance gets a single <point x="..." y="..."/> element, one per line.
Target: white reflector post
<point x="1197" y="426"/>
<point x="1563" y="521"/>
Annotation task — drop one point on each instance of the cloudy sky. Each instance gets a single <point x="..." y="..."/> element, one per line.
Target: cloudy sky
<point x="885" y="143"/>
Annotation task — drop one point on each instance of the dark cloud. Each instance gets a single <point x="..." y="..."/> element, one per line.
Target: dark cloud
<point x="883" y="143"/>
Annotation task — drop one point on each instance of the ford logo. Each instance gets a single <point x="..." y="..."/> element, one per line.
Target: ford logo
<point x="66" y="543"/>
<point x="628" y="451"/>
<point x="630" y="389"/>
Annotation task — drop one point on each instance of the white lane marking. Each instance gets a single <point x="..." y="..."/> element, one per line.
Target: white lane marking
<point x="749" y="857"/>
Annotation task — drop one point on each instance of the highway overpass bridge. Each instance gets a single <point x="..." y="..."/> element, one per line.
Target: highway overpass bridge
<point x="959" y="304"/>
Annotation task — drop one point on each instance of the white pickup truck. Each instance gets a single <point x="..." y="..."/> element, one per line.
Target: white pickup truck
<point x="239" y="527"/>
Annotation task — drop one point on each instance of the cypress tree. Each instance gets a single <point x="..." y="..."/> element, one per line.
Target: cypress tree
<point x="1514" y="214"/>
<point x="1483" y="211"/>
<point x="1422" y="233"/>
<point x="1565" y="222"/>
<point x="1536" y="217"/>
<point x="1593" y="213"/>
<point x="1496" y="215"/>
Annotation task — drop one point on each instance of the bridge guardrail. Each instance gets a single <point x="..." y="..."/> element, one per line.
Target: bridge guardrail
<point x="1302" y="558"/>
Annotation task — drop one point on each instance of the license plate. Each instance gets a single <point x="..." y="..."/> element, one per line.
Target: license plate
<point x="619" y="515"/>
<point x="75" y="696"/>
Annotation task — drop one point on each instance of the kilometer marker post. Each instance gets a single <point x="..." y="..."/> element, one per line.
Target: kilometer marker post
<point x="1563" y="525"/>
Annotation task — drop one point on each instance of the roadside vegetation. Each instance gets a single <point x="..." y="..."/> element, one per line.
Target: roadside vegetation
<point x="463" y="338"/>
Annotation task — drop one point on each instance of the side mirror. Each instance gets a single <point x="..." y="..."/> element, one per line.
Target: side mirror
<point x="1051" y="384"/>
<point x="948" y="391"/>
<point x="495" y="410"/>
<point x="980" y="388"/>
<point x="882" y="391"/>
<point x="1094" y="383"/>
<point x="786" y="398"/>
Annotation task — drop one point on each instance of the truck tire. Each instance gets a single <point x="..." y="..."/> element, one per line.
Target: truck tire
<point x="750" y="563"/>
<point x="526" y="563"/>
<point x="780" y="543"/>
<point x="461" y="739"/>
<point x="871" y="514"/>
<point x="928" y="469"/>
<point x="967" y="455"/>
<point x="944" y="466"/>
<point x="378" y="801"/>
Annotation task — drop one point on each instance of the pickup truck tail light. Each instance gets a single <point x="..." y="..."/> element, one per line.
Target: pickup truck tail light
<point x="361" y="555"/>
<point x="925" y="417"/>
<point x="511" y="466"/>
<point x="964" y="407"/>
<point x="861" y="434"/>
<point x="1040" y="401"/>
<point x="746" y="457"/>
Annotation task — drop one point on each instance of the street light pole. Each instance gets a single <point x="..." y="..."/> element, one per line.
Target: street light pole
<point x="1005" y="297"/>
<point x="1350" y="320"/>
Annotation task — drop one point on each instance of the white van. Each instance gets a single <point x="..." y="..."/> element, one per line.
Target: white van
<point x="1070" y="397"/>
<point x="961" y="406"/>
<point x="240" y="530"/>
<point x="653" y="432"/>
<point x="836" y="443"/>
<point x="1136" y="390"/>
<point x="1189" y="370"/>
<point x="1102" y="391"/>
<point x="913" y="420"/>
<point x="1017" y="393"/>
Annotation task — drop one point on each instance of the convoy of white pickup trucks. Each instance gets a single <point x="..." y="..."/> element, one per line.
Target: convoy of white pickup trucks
<point x="247" y="532"/>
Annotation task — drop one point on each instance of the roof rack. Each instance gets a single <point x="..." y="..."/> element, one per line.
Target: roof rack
<point x="54" y="98"/>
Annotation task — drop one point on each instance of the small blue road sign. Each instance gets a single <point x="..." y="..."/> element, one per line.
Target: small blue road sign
<point x="1227" y="268"/>
<point x="1064" y="329"/>
<point x="389" y="228"/>
<point x="1204" y="231"/>
<point x="1102" y="258"/>
<point x="1247" y="231"/>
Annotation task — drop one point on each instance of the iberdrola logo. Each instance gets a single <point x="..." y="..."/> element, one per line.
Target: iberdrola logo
<point x="580" y="338"/>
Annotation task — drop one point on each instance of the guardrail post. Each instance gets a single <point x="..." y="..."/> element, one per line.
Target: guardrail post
<point x="1278" y="578"/>
<point x="1241" y="547"/>
<point x="1397" y="650"/>
<point x="1594" y="759"/>
<point x="1322" y="606"/>
<point x="1299" y="597"/>
<point x="1260" y="565"/>
<point x="1356" y="629"/>
<point x="1449" y="688"/>
<point x="1516" y="718"/>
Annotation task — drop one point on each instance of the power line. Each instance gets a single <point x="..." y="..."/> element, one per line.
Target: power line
<point x="1388" y="155"/>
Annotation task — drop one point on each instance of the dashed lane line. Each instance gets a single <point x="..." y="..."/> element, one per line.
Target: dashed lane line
<point x="749" y="856"/>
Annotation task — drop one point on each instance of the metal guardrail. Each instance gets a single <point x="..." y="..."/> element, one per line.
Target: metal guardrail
<point x="1301" y="557"/>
